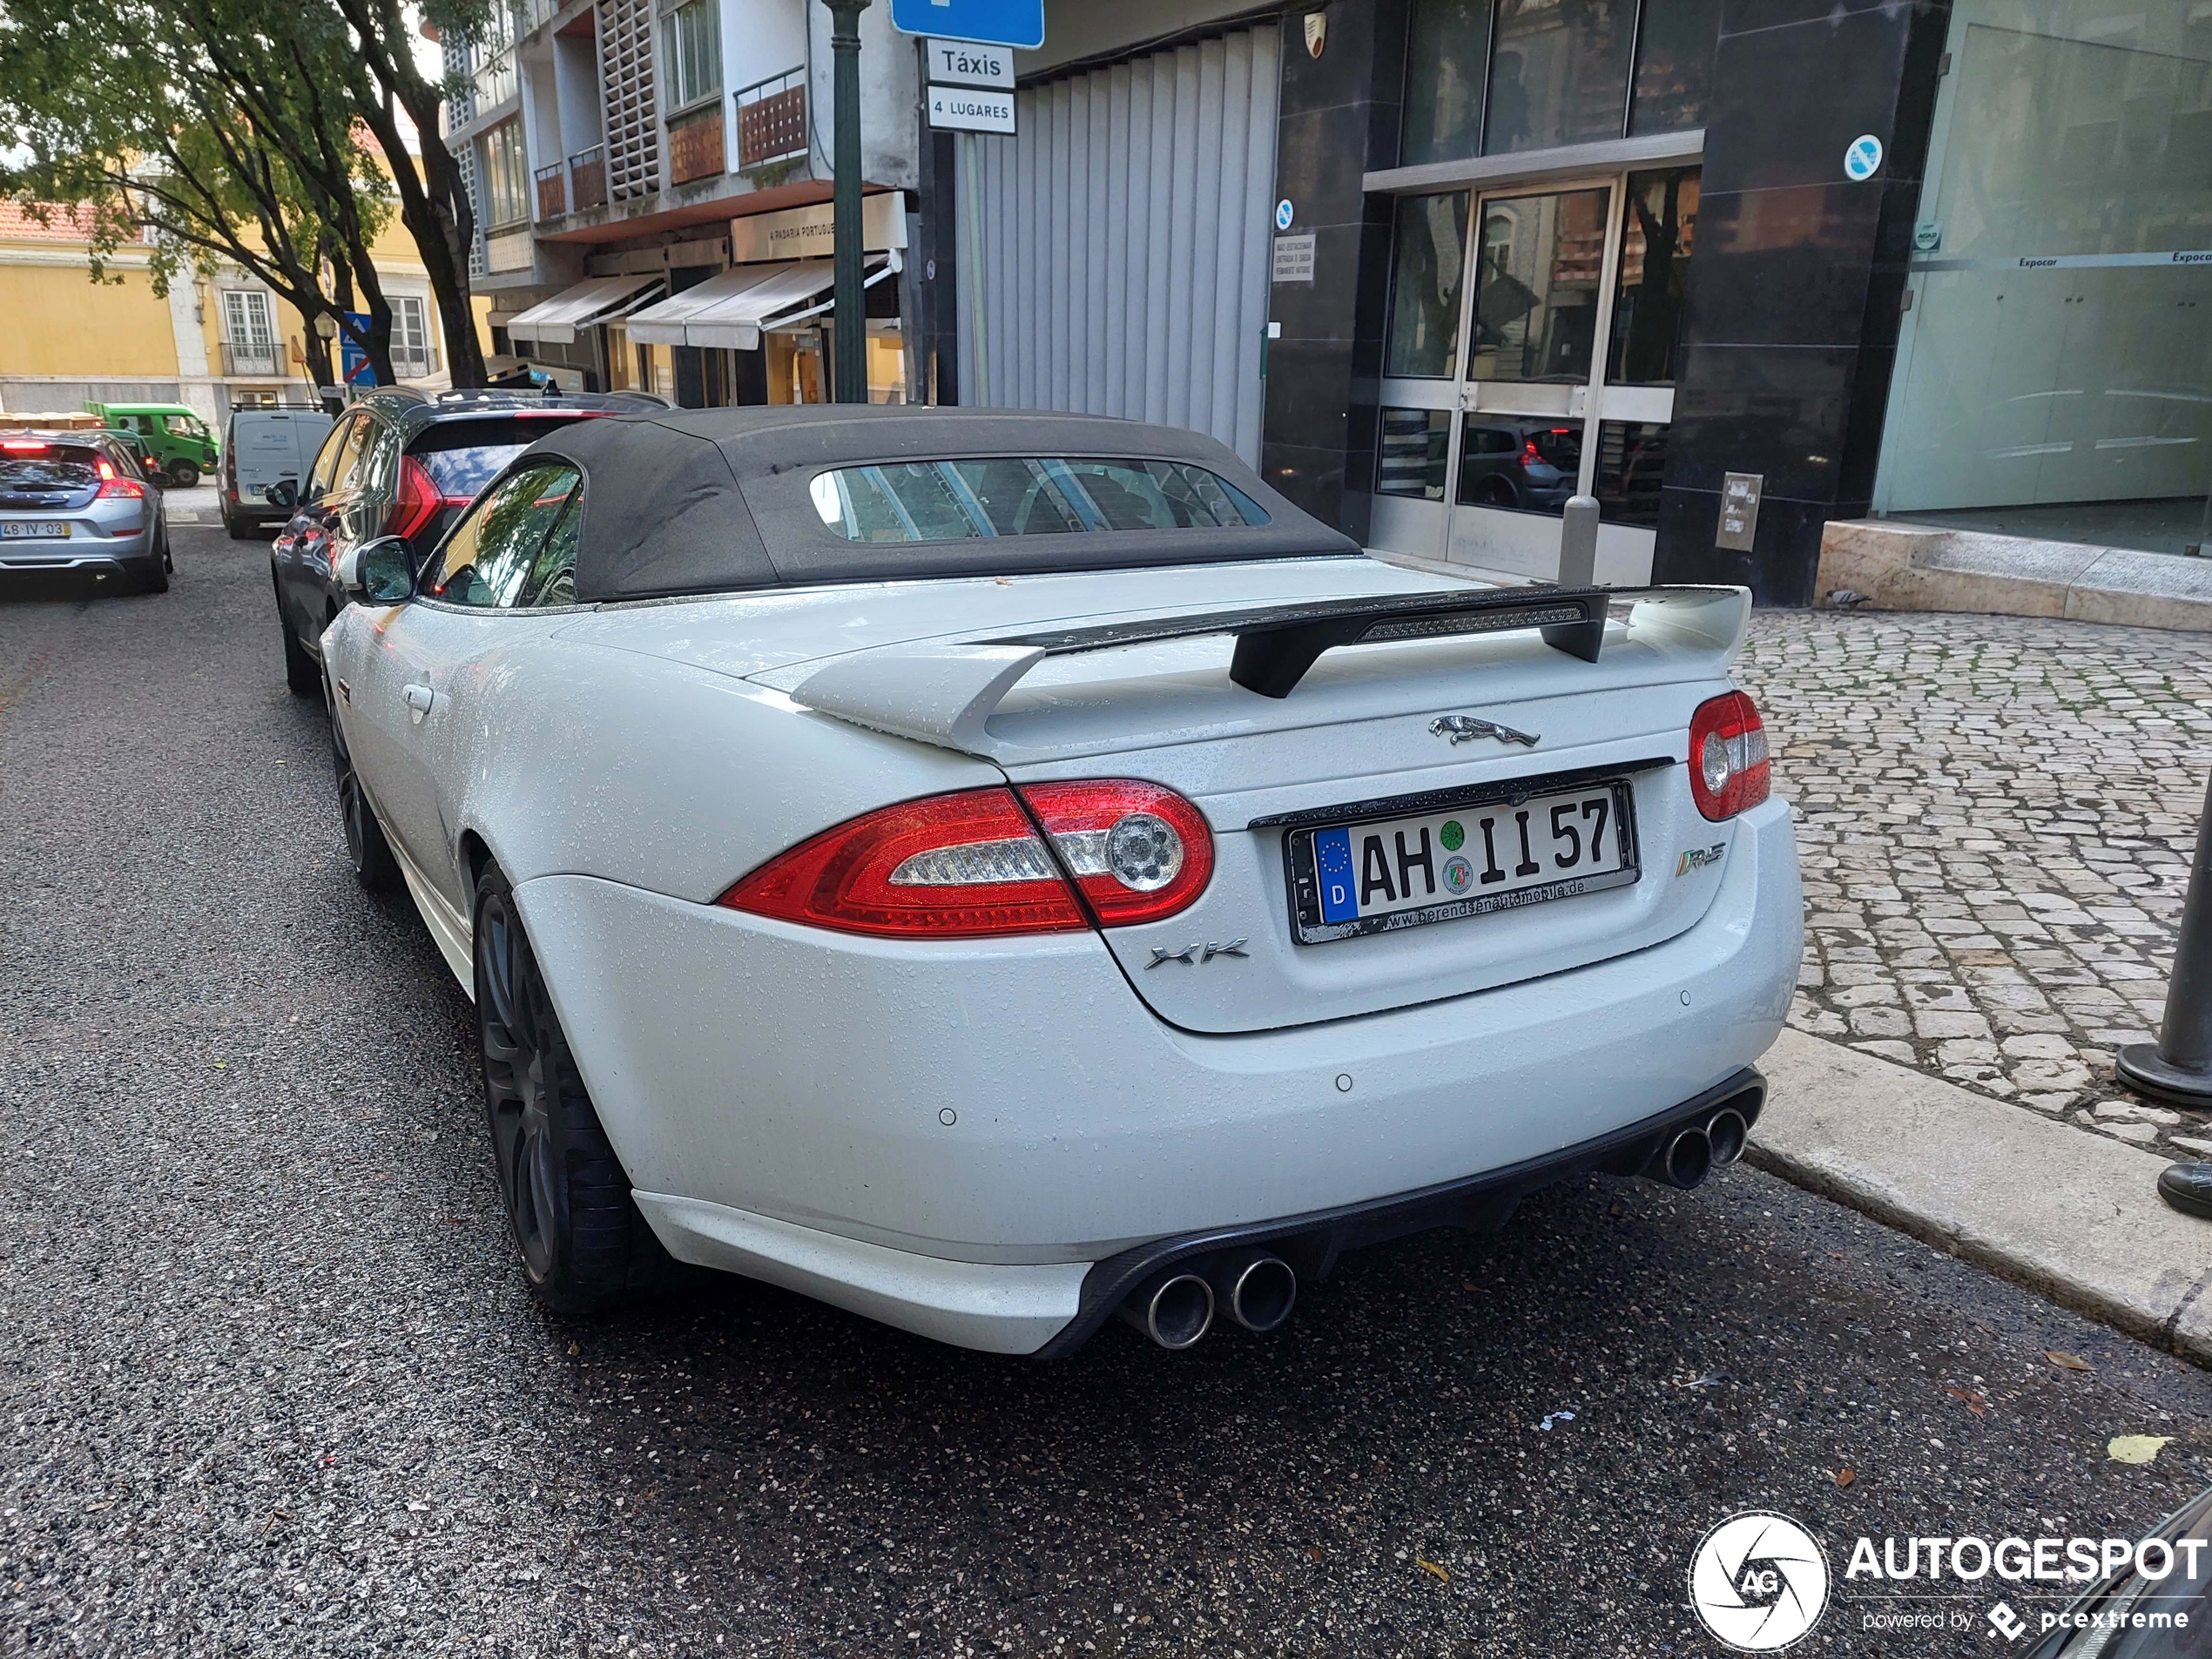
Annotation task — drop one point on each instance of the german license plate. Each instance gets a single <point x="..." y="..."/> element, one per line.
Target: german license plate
<point x="40" y="530"/>
<point x="1382" y="873"/>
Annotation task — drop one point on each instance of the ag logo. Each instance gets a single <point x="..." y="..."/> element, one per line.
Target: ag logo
<point x="1758" y="1581"/>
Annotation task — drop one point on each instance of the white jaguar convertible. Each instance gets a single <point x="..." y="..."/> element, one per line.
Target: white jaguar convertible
<point x="992" y="872"/>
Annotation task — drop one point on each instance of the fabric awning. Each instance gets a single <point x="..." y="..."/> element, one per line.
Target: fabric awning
<point x="728" y="310"/>
<point x="555" y="321"/>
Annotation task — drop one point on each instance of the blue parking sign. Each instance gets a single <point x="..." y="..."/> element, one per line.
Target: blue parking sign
<point x="353" y="362"/>
<point x="997" y="22"/>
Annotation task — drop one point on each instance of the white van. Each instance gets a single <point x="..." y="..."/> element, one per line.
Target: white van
<point x="261" y="448"/>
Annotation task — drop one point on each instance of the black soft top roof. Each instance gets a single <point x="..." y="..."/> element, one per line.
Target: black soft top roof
<point x="704" y="500"/>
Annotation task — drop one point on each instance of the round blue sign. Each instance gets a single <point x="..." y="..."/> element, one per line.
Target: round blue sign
<point x="1284" y="214"/>
<point x="1863" y="159"/>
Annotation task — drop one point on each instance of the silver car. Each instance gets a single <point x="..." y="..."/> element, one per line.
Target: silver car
<point x="77" y="501"/>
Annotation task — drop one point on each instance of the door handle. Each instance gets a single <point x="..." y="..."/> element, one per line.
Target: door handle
<point x="418" y="698"/>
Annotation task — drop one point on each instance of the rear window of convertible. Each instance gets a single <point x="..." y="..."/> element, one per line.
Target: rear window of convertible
<point x="953" y="501"/>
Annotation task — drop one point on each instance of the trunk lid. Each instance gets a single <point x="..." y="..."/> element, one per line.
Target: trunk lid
<point x="1355" y="741"/>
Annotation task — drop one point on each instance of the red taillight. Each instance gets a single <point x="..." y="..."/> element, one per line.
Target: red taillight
<point x="1138" y="852"/>
<point x="1728" y="771"/>
<point x="1529" y="452"/>
<point x="419" y="499"/>
<point x="24" y="447"/>
<point x="972" y="866"/>
<point x="115" y="488"/>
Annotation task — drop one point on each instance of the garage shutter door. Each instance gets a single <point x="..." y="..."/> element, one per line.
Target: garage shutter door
<point x="1114" y="250"/>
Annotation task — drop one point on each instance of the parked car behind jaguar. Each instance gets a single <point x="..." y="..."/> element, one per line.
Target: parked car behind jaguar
<point x="78" y="502"/>
<point x="397" y="463"/>
<point x="993" y="871"/>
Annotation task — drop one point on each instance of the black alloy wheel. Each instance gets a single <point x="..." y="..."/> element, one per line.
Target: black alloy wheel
<point x="184" y="475"/>
<point x="369" y="853"/>
<point x="585" y="1247"/>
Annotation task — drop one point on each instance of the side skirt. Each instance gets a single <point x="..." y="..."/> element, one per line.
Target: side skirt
<point x="452" y="930"/>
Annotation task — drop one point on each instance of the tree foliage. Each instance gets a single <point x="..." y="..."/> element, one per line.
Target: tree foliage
<point x="270" y="134"/>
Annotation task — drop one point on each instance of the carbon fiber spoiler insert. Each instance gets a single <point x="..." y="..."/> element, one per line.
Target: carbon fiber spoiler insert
<point x="1275" y="644"/>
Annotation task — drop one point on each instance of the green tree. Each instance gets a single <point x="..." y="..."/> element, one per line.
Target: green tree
<point x="270" y="134"/>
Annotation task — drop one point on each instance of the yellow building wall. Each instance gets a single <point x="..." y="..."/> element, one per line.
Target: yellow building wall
<point x="54" y="320"/>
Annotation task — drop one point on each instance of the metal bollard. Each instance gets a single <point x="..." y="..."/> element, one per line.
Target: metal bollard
<point x="1578" y="542"/>
<point x="2177" y="1068"/>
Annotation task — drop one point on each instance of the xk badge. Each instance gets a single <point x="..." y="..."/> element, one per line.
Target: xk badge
<point x="1194" y="953"/>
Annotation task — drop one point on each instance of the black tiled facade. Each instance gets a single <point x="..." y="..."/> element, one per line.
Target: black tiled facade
<point x="1338" y="118"/>
<point x="1791" y="315"/>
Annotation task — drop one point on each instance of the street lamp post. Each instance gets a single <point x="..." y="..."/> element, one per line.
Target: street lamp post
<point x="850" y="373"/>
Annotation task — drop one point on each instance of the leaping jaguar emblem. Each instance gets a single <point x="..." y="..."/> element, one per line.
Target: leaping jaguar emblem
<point x="1465" y="728"/>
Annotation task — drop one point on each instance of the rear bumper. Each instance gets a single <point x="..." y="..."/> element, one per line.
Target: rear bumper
<point x="112" y="561"/>
<point x="92" y="549"/>
<point x="1011" y="1105"/>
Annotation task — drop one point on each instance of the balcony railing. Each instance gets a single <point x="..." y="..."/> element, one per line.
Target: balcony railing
<point x="251" y="360"/>
<point x="695" y="145"/>
<point x="588" y="178"/>
<point x="552" y="192"/>
<point x="772" y="118"/>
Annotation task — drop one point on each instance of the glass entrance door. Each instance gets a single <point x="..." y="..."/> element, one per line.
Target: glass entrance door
<point x="1534" y="361"/>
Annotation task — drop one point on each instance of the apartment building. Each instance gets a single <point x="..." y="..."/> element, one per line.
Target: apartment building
<point x="219" y="340"/>
<point x="1738" y="268"/>
<point x="652" y="183"/>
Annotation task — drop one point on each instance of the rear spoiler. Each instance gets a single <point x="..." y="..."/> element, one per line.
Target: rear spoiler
<point x="943" y="692"/>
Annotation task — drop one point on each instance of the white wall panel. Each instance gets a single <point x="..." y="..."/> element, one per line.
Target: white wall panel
<point x="1114" y="250"/>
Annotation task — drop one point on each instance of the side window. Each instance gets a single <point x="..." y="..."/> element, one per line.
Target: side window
<point x="553" y="579"/>
<point x="493" y="549"/>
<point x="354" y="458"/>
<point x="326" y="458"/>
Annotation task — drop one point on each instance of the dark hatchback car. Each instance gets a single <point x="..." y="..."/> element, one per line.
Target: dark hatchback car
<point x="399" y="463"/>
<point x="1525" y="463"/>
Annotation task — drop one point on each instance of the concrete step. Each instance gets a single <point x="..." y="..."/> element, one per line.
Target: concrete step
<point x="1883" y="565"/>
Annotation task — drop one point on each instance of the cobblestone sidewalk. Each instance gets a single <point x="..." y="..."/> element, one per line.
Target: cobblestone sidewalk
<point x="1996" y="816"/>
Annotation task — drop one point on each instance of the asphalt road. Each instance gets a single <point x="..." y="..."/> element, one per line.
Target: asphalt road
<point x="269" y="1382"/>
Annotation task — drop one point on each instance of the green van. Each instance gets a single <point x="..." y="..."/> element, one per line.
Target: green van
<point x="180" y="440"/>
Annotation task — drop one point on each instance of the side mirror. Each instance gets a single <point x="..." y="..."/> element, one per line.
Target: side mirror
<point x="381" y="572"/>
<point x="282" y="494"/>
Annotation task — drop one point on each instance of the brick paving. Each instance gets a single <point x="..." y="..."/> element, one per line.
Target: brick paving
<point x="1995" y="820"/>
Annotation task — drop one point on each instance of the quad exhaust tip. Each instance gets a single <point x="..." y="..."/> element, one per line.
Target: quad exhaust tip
<point x="1684" y="1158"/>
<point x="1255" y="1288"/>
<point x="1174" y="1309"/>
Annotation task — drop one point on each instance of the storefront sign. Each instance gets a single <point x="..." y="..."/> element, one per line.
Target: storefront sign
<point x="1739" y="510"/>
<point x="2072" y="261"/>
<point x="970" y="109"/>
<point x="810" y="232"/>
<point x="1294" y="258"/>
<point x="1001" y="23"/>
<point x="963" y="63"/>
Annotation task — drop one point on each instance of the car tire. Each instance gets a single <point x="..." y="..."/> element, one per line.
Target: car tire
<point x="366" y="848"/>
<point x="302" y="674"/>
<point x="184" y="475"/>
<point x="154" y="576"/>
<point x="585" y="1248"/>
